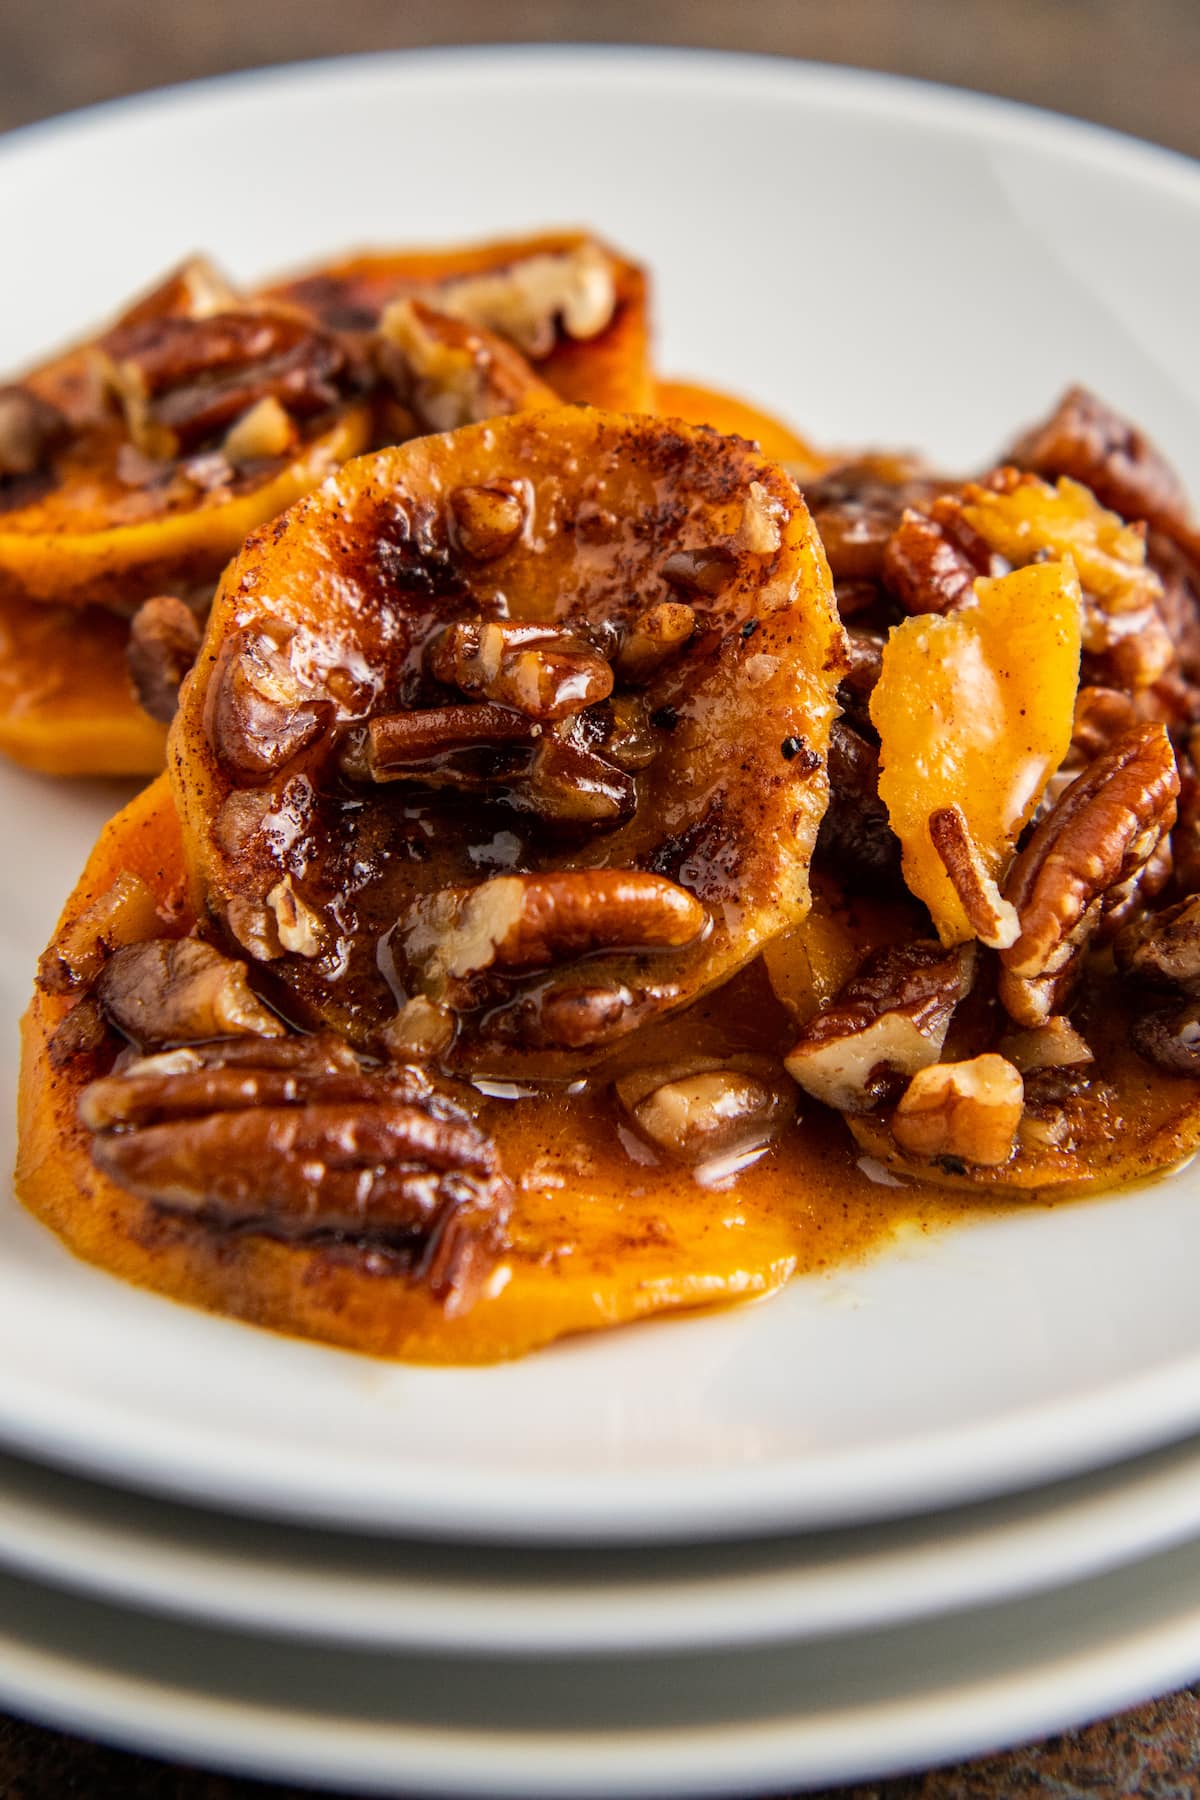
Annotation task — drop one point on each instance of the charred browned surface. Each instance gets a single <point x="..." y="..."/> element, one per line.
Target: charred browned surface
<point x="403" y="731"/>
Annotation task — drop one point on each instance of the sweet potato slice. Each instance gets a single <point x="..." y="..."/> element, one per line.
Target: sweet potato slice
<point x="66" y="705"/>
<point x="974" y="711"/>
<point x="741" y="418"/>
<point x="544" y="704"/>
<point x="89" y="539"/>
<point x="604" y="1251"/>
<point x="599" y="355"/>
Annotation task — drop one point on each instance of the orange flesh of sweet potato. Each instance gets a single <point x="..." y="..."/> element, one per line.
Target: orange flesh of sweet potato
<point x="597" y="1238"/>
<point x="735" y="789"/>
<point x="66" y="706"/>
<point x="974" y="709"/>
<point x="701" y="405"/>
<point x="611" y="370"/>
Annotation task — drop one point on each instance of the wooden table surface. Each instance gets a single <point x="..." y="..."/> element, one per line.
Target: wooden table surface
<point x="1133" y="64"/>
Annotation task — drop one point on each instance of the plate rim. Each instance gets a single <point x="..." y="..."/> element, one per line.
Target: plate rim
<point x="799" y="1588"/>
<point x="1166" y="1400"/>
<point x="1109" y="1663"/>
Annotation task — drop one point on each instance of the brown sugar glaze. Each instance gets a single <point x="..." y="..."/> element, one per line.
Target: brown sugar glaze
<point x="601" y="1230"/>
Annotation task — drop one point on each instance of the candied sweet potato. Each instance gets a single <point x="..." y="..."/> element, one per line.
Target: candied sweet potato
<point x="546" y="701"/>
<point x="592" y="1240"/>
<point x="974" y="710"/>
<point x="574" y="306"/>
<point x="91" y="539"/>
<point x="66" y="705"/>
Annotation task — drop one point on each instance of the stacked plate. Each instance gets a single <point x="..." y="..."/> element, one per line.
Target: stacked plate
<point x="905" y="1511"/>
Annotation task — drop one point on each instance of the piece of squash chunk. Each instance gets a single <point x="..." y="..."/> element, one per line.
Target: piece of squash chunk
<point x="974" y="712"/>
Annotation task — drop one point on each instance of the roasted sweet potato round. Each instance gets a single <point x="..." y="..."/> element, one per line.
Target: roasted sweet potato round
<point x="575" y="307"/>
<point x="525" y="723"/>
<point x="586" y="1257"/>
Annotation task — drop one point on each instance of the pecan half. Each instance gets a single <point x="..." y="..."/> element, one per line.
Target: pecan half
<point x="180" y="991"/>
<point x="519" y="922"/>
<point x="932" y="559"/>
<point x="1163" y="947"/>
<point x="1082" y="860"/>
<point x="889" y="1020"/>
<point x="302" y="1142"/>
<point x="164" y="637"/>
<point x="1086" y="439"/>
<point x="182" y="381"/>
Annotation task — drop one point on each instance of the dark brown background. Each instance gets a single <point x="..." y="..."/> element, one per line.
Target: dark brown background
<point x="1133" y="64"/>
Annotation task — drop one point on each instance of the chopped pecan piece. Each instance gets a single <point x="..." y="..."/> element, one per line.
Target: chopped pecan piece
<point x="889" y="1020"/>
<point x="570" y="784"/>
<point x="542" y="672"/>
<point x="1102" y="715"/>
<point x="759" y="532"/>
<point x="700" y="572"/>
<point x="706" y="1110"/>
<point x="264" y="431"/>
<point x="195" y="289"/>
<point x="1054" y="1045"/>
<point x="1170" y="1039"/>
<point x="180" y="991"/>
<point x="578" y="1015"/>
<point x="989" y="915"/>
<point x="83" y="1033"/>
<point x="529" y="303"/>
<point x="487" y="521"/>
<point x="1163" y="947"/>
<point x="260" y="714"/>
<point x="518" y="922"/>
<point x="445" y="373"/>
<point x="305" y="1146"/>
<point x="969" y="1111"/>
<point x="1082" y="860"/>
<point x="164" y="637"/>
<point x="654" y="637"/>
<point x="31" y="430"/>
<point x="857" y="506"/>
<point x="125" y="913"/>
<point x="1087" y="440"/>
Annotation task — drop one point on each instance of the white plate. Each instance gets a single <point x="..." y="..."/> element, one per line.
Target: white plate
<point x="882" y="261"/>
<point x="388" y="1592"/>
<point x="838" y="1709"/>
